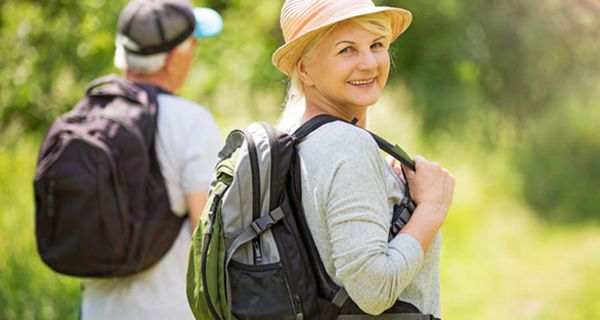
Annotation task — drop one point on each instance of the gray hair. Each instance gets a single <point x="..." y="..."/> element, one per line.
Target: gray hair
<point x="141" y="64"/>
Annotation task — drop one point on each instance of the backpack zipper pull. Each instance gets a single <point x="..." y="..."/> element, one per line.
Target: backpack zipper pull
<point x="258" y="259"/>
<point x="298" y="303"/>
<point x="51" y="188"/>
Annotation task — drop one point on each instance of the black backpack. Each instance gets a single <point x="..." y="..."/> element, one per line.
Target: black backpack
<point x="253" y="256"/>
<point x="101" y="204"/>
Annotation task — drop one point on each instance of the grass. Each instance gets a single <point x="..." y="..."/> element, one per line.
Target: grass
<point x="499" y="261"/>
<point x="28" y="289"/>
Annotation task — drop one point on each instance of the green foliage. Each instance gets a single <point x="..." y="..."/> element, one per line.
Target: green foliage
<point x="28" y="289"/>
<point x="559" y="164"/>
<point x="503" y="92"/>
<point x="463" y="62"/>
<point x="50" y="50"/>
<point x="233" y="74"/>
<point x="460" y="59"/>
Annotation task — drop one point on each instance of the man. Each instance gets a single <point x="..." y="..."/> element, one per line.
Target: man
<point x="155" y="45"/>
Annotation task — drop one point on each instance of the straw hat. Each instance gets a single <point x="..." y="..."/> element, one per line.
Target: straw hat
<point x="301" y="19"/>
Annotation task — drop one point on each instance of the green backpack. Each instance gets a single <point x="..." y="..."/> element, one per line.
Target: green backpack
<point x="252" y="254"/>
<point x="209" y="264"/>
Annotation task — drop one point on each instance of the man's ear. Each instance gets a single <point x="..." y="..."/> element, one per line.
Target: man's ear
<point x="302" y="74"/>
<point x="169" y="60"/>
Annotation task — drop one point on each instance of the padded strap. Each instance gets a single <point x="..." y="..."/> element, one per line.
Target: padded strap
<point x="312" y="125"/>
<point x="316" y="122"/>
<point x="102" y="81"/>
<point x="113" y="85"/>
<point x="394" y="151"/>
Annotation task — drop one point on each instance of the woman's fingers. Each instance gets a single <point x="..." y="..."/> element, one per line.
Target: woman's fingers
<point x="430" y="183"/>
<point x="393" y="163"/>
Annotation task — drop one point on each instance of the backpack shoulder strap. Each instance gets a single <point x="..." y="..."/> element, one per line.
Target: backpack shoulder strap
<point x="312" y="125"/>
<point x="116" y="86"/>
<point x="394" y="151"/>
<point x="316" y="122"/>
<point x="107" y="79"/>
<point x="113" y="85"/>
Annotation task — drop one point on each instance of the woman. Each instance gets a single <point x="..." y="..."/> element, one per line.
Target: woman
<point x="336" y="54"/>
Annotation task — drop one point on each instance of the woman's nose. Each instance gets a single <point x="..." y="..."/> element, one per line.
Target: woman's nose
<point x="367" y="61"/>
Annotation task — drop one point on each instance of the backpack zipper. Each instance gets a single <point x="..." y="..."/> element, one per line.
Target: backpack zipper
<point x="258" y="259"/>
<point x="298" y="308"/>
<point x="294" y="298"/>
<point x="51" y="190"/>
<point x="57" y="147"/>
<point x="207" y="237"/>
<point x="256" y="189"/>
<point x="50" y="210"/>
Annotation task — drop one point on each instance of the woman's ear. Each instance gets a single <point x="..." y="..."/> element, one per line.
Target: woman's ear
<point x="302" y="74"/>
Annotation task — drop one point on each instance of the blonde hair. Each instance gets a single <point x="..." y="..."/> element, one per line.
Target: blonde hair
<point x="378" y="23"/>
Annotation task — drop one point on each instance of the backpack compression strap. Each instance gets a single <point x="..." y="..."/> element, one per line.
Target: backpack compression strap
<point x="393" y="150"/>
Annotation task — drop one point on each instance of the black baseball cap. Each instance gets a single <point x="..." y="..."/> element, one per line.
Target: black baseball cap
<point x="155" y="26"/>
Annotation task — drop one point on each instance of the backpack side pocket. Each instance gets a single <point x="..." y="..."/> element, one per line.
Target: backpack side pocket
<point x="261" y="291"/>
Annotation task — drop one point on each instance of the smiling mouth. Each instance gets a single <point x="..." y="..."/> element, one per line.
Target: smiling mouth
<point x="361" y="82"/>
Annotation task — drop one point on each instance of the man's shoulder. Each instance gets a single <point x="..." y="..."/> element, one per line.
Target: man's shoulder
<point x="171" y="100"/>
<point x="172" y="104"/>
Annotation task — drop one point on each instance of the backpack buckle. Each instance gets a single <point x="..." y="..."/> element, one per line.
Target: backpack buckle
<point x="265" y="222"/>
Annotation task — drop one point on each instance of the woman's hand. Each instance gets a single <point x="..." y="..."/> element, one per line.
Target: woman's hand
<point x="395" y="165"/>
<point x="431" y="187"/>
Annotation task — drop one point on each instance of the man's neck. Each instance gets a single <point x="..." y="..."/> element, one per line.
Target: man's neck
<point x="159" y="79"/>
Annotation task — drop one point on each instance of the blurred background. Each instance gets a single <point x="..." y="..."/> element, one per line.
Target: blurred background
<point x="504" y="93"/>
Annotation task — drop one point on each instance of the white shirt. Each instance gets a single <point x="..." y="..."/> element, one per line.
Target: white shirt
<point x="187" y="143"/>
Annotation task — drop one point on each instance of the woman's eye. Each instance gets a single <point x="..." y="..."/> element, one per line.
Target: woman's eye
<point x="345" y="50"/>
<point x="377" y="45"/>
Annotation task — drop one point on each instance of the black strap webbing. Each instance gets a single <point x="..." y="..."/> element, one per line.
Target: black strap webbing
<point x="316" y="122"/>
<point x="312" y="125"/>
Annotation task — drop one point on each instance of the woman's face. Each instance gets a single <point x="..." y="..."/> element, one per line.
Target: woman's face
<point x="348" y="68"/>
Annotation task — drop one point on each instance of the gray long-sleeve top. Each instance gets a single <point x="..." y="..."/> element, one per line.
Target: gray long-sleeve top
<point x="348" y="193"/>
